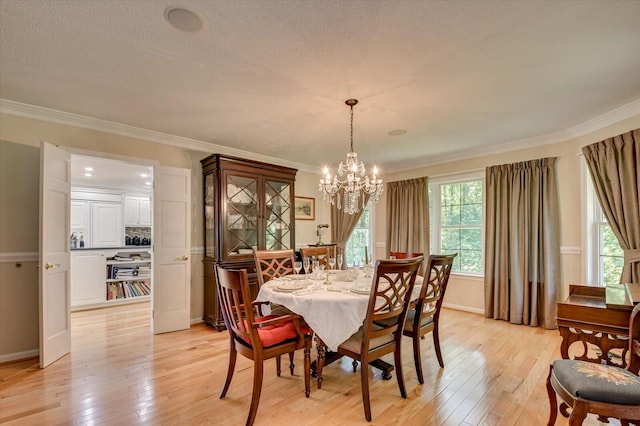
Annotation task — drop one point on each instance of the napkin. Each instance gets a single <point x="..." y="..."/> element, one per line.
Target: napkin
<point x="303" y="291"/>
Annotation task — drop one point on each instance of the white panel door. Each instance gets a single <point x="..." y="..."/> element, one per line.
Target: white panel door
<point x="54" y="294"/>
<point x="172" y="244"/>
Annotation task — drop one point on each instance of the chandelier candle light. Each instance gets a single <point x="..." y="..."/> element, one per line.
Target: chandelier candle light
<point x="349" y="186"/>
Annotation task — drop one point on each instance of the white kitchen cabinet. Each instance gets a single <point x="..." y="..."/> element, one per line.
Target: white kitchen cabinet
<point x="137" y="210"/>
<point x="106" y="277"/>
<point x="80" y="217"/>
<point x="106" y="229"/>
<point x="87" y="277"/>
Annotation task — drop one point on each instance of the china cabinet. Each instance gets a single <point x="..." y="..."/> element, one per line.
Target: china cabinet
<point x="247" y="205"/>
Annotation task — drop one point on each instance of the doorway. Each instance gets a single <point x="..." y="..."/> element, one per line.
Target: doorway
<point x="110" y="232"/>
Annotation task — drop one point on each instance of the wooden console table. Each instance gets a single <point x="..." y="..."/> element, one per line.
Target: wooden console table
<point x="598" y="316"/>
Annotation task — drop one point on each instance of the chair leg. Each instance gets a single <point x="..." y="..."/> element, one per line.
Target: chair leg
<point x="232" y="365"/>
<point x="397" y="359"/>
<point x="553" y="402"/>
<point x="436" y="344"/>
<point x="307" y="365"/>
<point x="291" y="364"/>
<point x="278" y="366"/>
<point x="364" y="384"/>
<point x="417" y="357"/>
<point x="257" y="389"/>
<point x="578" y="413"/>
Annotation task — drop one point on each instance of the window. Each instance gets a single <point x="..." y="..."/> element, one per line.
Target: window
<point x="610" y="255"/>
<point x="456" y="221"/>
<point x="605" y="258"/>
<point x="359" y="239"/>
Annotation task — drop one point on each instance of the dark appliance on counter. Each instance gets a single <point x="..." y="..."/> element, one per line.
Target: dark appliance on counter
<point x="145" y="241"/>
<point x="135" y="241"/>
<point x="127" y="240"/>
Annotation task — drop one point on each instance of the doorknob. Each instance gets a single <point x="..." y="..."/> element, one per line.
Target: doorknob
<point x="48" y="265"/>
<point x="182" y="258"/>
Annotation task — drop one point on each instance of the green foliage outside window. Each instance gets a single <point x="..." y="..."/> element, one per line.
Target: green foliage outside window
<point x="611" y="256"/>
<point x="359" y="239"/>
<point x="461" y="224"/>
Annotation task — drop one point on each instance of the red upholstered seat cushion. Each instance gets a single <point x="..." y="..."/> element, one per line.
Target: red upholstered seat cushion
<point x="277" y="333"/>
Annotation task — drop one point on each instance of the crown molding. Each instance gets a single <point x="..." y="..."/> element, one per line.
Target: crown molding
<point x="46" y="114"/>
<point x="90" y="123"/>
<point x="616" y="115"/>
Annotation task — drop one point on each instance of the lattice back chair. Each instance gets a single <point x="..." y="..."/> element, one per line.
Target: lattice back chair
<point x="603" y="390"/>
<point x="403" y="255"/>
<point x="423" y="315"/>
<point x="257" y="337"/>
<point x="272" y="264"/>
<point x="381" y="332"/>
<point x="320" y="254"/>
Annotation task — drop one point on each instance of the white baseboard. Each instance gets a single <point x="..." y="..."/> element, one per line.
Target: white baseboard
<point x="196" y="320"/>
<point x="463" y="308"/>
<point x="19" y="355"/>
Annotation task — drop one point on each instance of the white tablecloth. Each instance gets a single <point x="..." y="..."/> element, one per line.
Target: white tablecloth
<point x="333" y="316"/>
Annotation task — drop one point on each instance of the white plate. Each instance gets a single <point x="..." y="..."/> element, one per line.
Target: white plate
<point x="290" y="286"/>
<point x="361" y="289"/>
<point x="294" y="277"/>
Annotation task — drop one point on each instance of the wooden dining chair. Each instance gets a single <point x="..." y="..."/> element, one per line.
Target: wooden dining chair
<point x="257" y="337"/>
<point x="423" y="315"/>
<point x="403" y="255"/>
<point x="381" y="332"/>
<point x="272" y="264"/>
<point x="608" y="391"/>
<point x="321" y="254"/>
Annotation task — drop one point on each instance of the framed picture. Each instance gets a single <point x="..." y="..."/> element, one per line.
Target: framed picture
<point x="305" y="208"/>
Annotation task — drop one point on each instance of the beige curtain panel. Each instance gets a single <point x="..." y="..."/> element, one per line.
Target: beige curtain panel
<point x="613" y="165"/>
<point x="522" y="243"/>
<point x="342" y="225"/>
<point x="408" y="216"/>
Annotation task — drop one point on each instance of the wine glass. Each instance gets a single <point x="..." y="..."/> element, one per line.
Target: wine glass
<point x="305" y="264"/>
<point x="332" y="263"/>
<point x="340" y="260"/>
<point x="296" y="266"/>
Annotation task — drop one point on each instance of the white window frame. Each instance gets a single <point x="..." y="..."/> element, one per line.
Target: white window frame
<point x="594" y="221"/>
<point x="434" y="220"/>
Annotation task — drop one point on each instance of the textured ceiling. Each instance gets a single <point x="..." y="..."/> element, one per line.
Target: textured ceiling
<point x="271" y="76"/>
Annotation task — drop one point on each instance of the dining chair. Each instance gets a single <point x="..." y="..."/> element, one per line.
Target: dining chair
<point x="272" y="264"/>
<point x="321" y="254"/>
<point x="423" y="315"/>
<point x="403" y="255"/>
<point x="604" y="390"/>
<point x="257" y="337"/>
<point x="381" y="332"/>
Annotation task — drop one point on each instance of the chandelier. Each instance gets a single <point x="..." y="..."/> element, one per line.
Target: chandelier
<point x="347" y="189"/>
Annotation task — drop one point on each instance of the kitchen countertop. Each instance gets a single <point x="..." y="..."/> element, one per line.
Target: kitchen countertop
<point x="111" y="248"/>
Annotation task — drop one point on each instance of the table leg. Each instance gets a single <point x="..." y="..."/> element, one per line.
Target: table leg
<point x="321" y="349"/>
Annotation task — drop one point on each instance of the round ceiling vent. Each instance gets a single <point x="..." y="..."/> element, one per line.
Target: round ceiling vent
<point x="183" y="19"/>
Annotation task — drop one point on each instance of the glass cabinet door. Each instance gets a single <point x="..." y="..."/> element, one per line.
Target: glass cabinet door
<point x="241" y="228"/>
<point x="209" y="216"/>
<point x="277" y="215"/>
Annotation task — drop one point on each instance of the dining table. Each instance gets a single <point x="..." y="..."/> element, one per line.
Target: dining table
<point x="333" y="304"/>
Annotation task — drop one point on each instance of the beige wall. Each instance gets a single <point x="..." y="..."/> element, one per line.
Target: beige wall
<point x="468" y="292"/>
<point x="19" y="165"/>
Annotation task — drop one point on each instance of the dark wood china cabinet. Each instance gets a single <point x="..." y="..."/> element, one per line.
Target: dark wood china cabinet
<point x="247" y="204"/>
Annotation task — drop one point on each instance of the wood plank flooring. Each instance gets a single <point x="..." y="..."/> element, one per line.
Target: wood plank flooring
<point x="120" y="374"/>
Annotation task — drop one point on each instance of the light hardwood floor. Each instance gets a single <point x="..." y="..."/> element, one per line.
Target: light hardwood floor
<point x="120" y="374"/>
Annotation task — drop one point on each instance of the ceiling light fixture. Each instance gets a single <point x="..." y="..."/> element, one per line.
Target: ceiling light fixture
<point x="350" y="184"/>
<point x="183" y="19"/>
<point x="88" y="175"/>
<point x="88" y="169"/>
